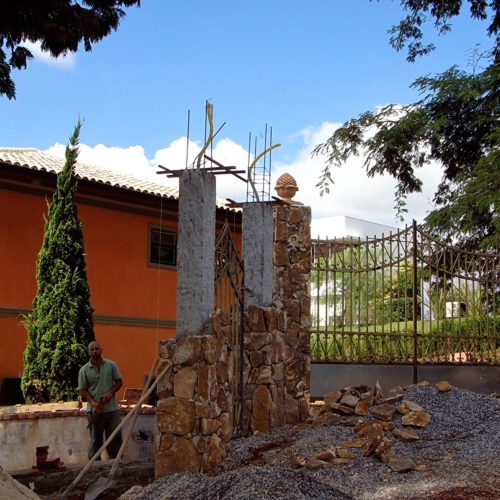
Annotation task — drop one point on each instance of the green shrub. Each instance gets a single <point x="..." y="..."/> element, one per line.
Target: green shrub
<point x="476" y="338"/>
<point x="61" y="325"/>
<point x="467" y="325"/>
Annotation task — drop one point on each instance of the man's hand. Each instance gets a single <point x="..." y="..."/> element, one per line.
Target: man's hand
<point x="107" y="396"/>
<point x="85" y="395"/>
<point x="98" y="405"/>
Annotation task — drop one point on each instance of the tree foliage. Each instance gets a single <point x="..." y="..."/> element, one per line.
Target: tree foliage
<point x="59" y="26"/>
<point x="61" y="325"/>
<point x="395" y="298"/>
<point x="408" y="33"/>
<point x="455" y="123"/>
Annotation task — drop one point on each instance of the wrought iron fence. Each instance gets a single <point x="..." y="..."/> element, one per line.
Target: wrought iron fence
<point x="229" y="281"/>
<point x="405" y="298"/>
<point x="228" y="271"/>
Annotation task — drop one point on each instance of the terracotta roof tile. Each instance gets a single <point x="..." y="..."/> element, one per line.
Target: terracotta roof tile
<point x="36" y="159"/>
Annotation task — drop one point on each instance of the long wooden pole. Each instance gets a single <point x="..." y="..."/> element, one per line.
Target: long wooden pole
<point x="135" y="411"/>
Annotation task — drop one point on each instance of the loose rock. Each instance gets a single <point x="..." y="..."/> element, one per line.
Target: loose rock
<point x="384" y="412"/>
<point x="443" y="386"/>
<point x="296" y="461"/>
<point x="416" y="419"/>
<point x="399" y="463"/>
<point x="405" y="435"/>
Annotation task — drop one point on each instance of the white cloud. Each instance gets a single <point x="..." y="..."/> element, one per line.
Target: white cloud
<point x="131" y="160"/>
<point x="225" y="152"/>
<point x="353" y="194"/>
<point x="174" y="156"/>
<point x="229" y="153"/>
<point x="65" y="61"/>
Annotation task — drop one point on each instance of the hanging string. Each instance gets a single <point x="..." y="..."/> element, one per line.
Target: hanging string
<point x="158" y="280"/>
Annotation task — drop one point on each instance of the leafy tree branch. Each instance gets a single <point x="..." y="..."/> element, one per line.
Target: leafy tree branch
<point x="455" y="126"/>
<point x="59" y="27"/>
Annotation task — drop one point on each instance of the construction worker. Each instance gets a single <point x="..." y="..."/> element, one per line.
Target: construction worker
<point x="98" y="382"/>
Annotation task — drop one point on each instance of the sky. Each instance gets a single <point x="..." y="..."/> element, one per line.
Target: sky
<point x="298" y="68"/>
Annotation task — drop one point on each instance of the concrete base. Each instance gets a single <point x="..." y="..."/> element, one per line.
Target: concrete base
<point x="327" y="378"/>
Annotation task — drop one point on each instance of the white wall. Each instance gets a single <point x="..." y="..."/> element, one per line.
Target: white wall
<point x="342" y="226"/>
<point x="67" y="438"/>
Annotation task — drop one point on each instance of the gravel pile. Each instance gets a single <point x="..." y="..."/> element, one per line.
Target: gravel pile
<point x="457" y="456"/>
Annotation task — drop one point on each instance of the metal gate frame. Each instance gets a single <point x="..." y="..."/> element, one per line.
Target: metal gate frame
<point x="229" y="286"/>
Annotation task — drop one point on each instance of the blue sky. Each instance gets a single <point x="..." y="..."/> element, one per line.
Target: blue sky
<point x="300" y="67"/>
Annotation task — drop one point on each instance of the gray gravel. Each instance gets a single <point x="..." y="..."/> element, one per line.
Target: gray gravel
<point x="457" y="457"/>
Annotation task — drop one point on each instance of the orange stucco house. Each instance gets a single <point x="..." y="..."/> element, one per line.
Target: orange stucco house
<point x="131" y="265"/>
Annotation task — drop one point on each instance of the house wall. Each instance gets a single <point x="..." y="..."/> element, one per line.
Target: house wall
<point x="129" y="297"/>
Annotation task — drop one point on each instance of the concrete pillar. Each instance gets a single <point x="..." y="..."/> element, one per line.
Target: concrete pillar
<point x="257" y="247"/>
<point x="195" y="252"/>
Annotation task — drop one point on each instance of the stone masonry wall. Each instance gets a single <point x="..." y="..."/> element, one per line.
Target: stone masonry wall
<point x="291" y="297"/>
<point x="276" y="362"/>
<point x="195" y="409"/>
<point x="263" y="372"/>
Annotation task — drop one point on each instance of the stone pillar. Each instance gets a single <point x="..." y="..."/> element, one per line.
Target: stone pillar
<point x="257" y="246"/>
<point x="195" y="252"/>
<point x="195" y="410"/>
<point x="291" y="296"/>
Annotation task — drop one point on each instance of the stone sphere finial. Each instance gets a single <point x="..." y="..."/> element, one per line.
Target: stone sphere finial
<point x="286" y="187"/>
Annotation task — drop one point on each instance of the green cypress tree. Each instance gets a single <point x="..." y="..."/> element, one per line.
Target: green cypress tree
<point x="61" y="325"/>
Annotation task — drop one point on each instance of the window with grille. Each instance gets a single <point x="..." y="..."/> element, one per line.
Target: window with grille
<point x="162" y="246"/>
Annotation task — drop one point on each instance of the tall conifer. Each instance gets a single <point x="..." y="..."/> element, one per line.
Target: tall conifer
<point x="61" y="325"/>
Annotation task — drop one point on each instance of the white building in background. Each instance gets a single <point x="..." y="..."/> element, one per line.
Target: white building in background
<point x="326" y="298"/>
<point x="326" y="304"/>
<point x="343" y="227"/>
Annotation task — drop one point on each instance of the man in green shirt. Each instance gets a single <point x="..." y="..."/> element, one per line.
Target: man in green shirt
<point x="98" y="381"/>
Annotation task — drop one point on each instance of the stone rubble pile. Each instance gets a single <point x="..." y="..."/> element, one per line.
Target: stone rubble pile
<point x="371" y="415"/>
<point x="457" y="457"/>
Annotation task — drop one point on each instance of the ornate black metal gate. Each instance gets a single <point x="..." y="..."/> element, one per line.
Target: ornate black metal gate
<point x="229" y="282"/>
<point x="405" y="298"/>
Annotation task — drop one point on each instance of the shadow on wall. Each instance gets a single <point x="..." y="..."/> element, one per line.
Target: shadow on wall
<point x="11" y="393"/>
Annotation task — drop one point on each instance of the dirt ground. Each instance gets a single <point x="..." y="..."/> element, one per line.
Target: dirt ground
<point x="51" y="485"/>
<point x="141" y="473"/>
<point x="128" y="474"/>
